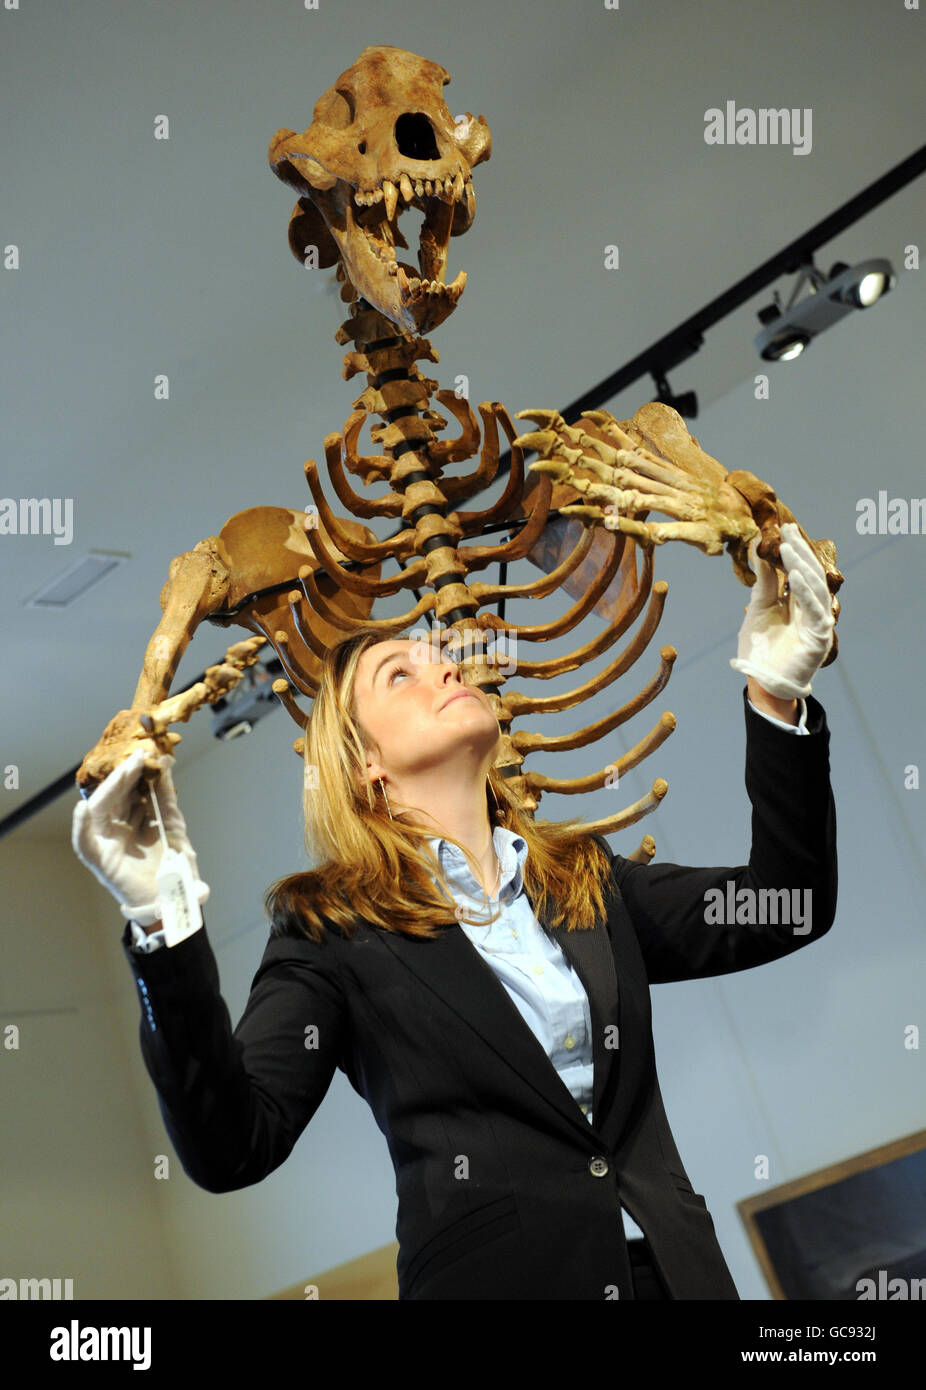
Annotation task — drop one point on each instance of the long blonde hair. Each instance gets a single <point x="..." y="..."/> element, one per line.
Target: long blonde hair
<point x="380" y="869"/>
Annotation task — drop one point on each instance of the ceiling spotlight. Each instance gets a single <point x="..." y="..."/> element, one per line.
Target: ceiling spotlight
<point x="237" y="711"/>
<point x="863" y="284"/>
<point x="686" y="404"/>
<point x="788" y="329"/>
<point x="783" y="343"/>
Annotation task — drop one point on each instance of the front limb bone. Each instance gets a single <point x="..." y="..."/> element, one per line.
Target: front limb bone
<point x="626" y="469"/>
<point x="149" y="728"/>
<point x="196" y="586"/>
<point x="630" y="481"/>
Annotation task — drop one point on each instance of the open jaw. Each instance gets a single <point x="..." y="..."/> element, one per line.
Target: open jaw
<point x="367" y="233"/>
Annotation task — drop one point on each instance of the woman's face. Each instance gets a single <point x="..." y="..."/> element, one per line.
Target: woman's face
<point x="411" y="699"/>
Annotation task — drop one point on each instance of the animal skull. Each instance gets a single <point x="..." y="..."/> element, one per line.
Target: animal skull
<point x="382" y="139"/>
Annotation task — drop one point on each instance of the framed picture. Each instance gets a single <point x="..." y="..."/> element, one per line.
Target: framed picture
<point x="855" y="1230"/>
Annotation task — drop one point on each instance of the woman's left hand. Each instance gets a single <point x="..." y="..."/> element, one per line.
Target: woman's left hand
<point x="784" y="642"/>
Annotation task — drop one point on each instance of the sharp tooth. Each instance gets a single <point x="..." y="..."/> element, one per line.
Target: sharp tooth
<point x="470" y="199"/>
<point x="419" y="188"/>
<point x="458" y="186"/>
<point x="391" y="195"/>
<point x="405" y="184"/>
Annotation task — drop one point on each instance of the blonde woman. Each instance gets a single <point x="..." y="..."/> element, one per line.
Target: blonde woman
<point x="481" y="978"/>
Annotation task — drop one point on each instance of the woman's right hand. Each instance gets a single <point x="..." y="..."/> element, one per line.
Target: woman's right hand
<point x="114" y="832"/>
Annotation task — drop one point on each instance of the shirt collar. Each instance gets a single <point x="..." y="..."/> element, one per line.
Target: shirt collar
<point x="511" y="850"/>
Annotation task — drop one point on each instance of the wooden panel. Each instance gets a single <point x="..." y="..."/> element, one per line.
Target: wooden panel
<point x="371" y="1276"/>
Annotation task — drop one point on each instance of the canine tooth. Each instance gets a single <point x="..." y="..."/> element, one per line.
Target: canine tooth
<point x="405" y="184"/>
<point x="391" y="195"/>
<point x="470" y="199"/>
<point x="458" y="186"/>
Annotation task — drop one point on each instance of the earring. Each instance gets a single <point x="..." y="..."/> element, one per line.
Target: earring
<point x="388" y="807"/>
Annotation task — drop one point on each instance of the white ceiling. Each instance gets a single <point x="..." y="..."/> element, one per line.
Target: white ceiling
<point x="141" y="257"/>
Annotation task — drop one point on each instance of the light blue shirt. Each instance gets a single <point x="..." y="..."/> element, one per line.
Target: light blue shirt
<point x="531" y="966"/>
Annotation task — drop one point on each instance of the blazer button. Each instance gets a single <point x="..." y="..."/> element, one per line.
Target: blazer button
<point x="598" y="1166"/>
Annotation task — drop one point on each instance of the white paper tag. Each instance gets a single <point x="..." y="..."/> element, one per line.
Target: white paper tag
<point x="180" y="910"/>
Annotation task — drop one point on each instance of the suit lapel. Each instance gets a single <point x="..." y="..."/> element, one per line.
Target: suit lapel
<point x="451" y="966"/>
<point x="591" y="957"/>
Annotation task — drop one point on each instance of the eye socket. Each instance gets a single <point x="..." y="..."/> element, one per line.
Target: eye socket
<point x="348" y="100"/>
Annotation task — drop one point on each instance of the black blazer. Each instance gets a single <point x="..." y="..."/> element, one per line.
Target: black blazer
<point x="505" y="1191"/>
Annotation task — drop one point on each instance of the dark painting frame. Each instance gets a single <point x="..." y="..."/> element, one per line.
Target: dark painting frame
<point x="855" y="1230"/>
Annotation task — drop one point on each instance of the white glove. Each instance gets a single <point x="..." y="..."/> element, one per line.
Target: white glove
<point x="784" y="644"/>
<point x="116" y="835"/>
